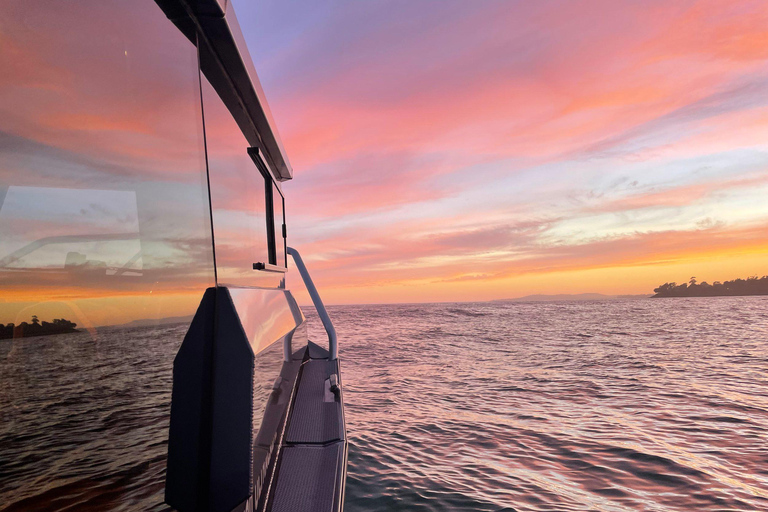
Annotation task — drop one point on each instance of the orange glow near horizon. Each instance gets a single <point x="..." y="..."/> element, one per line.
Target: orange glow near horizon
<point x="97" y="311"/>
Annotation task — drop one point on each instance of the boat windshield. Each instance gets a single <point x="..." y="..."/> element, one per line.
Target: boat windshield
<point x="107" y="246"/>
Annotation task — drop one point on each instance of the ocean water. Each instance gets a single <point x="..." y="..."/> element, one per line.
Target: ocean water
<point x="600" y="405"/>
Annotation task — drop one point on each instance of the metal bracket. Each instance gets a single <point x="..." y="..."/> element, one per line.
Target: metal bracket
<point x="268" y="267"/>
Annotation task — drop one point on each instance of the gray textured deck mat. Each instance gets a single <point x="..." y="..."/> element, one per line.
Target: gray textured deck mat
<point x="314" y="420"/>
<point x="307" y="478"/>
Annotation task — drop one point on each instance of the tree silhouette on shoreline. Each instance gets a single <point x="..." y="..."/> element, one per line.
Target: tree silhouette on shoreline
<point x="37" y="328"/>
<point x="738" y="287"/>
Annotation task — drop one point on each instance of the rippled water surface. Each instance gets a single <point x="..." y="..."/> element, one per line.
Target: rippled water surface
<point x="615" y="405"/>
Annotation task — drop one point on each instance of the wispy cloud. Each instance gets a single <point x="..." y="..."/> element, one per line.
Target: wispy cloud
<point x="460" y="148"/>
<point x="474" y="142"/>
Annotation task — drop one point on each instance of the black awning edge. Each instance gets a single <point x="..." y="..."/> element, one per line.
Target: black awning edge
<point x="226" y="63"/>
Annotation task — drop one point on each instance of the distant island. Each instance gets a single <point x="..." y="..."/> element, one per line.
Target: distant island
<point x="36" y="328"/>
<point x="571" y="297"/>
<point x="751" y="286"/>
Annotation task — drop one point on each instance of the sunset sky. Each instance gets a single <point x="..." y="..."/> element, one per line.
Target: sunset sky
<point x="443" y="151"/>
<point x="481" y="150"/>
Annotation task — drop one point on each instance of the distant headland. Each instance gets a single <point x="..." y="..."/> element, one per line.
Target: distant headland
<point x="751" y="286"/>
<point x="36" y="328"/>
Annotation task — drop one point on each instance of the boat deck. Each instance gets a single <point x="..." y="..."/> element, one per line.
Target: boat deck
<point x="312" y="462"/>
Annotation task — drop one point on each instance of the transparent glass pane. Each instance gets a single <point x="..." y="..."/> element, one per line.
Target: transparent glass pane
<point x="266" y="315"/>
<point x="238" y="199"/>
<point x="105" y="246"/>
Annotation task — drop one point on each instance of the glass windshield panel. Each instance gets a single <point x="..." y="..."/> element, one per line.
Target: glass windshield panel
<point x="238" y="198"/>
<point x="105" y="246"/>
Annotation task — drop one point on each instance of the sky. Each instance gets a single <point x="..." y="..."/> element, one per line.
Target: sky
<point x="448" y="151"/>
<point x="443" y="151"/>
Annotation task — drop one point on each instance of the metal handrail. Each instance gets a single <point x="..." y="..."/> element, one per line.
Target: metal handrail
<point x="317" y="301"/>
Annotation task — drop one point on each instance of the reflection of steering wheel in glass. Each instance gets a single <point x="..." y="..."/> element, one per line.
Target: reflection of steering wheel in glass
<point x="76" y="261"/>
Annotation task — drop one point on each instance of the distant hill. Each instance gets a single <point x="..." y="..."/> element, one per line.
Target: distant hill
<point x="571" y="297"/>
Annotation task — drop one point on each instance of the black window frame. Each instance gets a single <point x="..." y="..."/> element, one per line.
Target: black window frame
<point x="270" y="184"/>
<point x="282" y="229"/>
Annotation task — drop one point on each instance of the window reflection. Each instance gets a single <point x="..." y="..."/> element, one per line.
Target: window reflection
<point x="238" y="199"/>
<point x="80" y="230"/>
<point x="104" y="202"/>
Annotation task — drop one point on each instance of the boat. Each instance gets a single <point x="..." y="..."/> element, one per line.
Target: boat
<point x="142" y="182"/>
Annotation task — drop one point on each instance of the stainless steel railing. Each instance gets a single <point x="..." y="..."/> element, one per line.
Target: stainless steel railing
<point x="317" y="301"/>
